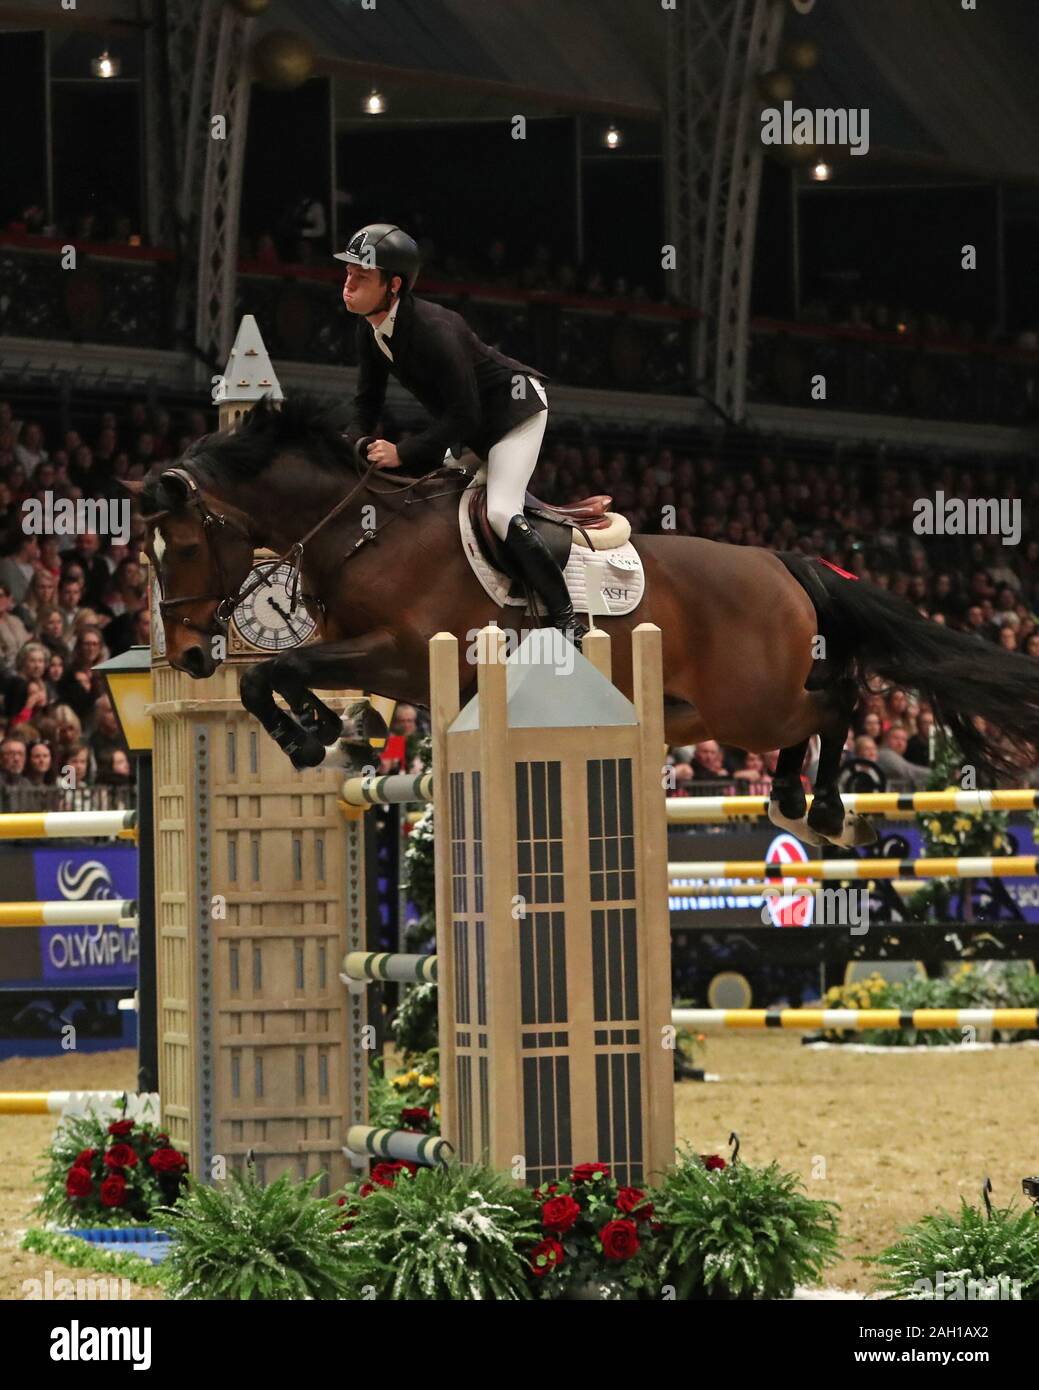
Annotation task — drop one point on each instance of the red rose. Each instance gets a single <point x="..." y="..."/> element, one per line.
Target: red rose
<point x="120" y="1156"/>
<point x="541" y="1193"/>
<point x="167" y="1161"/>
<point x="386" y="1174"/>
<point x="559" y="1214"/>
<point x="113" y="1191"/>
<point x="546" y="1257"/>
<point x="121" y="1128"/>
<point x="635" y="1202"/>
<point x="414" y="1115"/>
<point x="712" y="1161"/>
<point x="85" y="1158"/>
<point x="588" y="1172"/>
<point x="366" y="1189"/>
<point x="620" y="1240"/>
<point x="79" y="1183"/>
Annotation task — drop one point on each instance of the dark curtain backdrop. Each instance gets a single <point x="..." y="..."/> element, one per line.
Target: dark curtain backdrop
<point x="464" y="185"/>
<point x="23" y="149"/>
<point x="97" y="152"/>
<point x="287" y="155"/>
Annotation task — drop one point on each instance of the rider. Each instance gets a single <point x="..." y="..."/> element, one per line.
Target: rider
<point x="467" y="387"/>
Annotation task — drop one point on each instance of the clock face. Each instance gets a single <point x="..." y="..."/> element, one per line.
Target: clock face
<point x="265" y="618"/>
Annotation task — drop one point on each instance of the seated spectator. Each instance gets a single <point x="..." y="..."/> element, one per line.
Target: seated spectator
<point x="708" y="763"/>
<point x="918" y="749"/>
<point x="12" y="763"/>
<point x="753" y="770"/>
<point x="13" y="632"/>
<point x="18" y="564"/>
<point x="901" y="774"/>
<point x="40" y="764"/>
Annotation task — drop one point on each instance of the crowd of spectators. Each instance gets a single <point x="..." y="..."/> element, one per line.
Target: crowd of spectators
<point x="68" y="602"/>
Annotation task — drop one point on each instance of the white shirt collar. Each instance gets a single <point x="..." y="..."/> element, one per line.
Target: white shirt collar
<point x="384" y="330"/>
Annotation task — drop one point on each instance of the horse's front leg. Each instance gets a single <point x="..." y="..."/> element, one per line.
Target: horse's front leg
<point x="368" y="662"/>
<point x="257" y="692"/>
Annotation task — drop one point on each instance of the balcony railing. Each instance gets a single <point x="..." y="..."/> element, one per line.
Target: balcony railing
<point x="123" y="295"/>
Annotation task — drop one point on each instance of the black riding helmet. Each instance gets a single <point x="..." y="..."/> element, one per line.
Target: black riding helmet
<point x="385" y="247"/>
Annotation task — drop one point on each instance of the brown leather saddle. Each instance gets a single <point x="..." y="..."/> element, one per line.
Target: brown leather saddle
<point x="553" y="524"/>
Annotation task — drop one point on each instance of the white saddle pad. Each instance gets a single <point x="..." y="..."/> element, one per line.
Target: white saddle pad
<point x="612" y="580"/>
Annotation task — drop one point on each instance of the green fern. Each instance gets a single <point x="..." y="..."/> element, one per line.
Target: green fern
<point x="245" y="1241"/>
<point x="742" y="1232"/>
<point x="446" y="1233"/>
<point x="945" y="1247"/>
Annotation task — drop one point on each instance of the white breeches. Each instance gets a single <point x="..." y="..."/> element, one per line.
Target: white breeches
<point x="509" y="465"/>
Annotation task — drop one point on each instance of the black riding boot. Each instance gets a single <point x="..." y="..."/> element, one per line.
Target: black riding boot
<point x="535" y="563"/>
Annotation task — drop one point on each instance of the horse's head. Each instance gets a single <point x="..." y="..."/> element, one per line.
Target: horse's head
<point x="202" y="552"/>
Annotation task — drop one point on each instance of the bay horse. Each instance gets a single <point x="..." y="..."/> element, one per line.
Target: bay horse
<point x="740" y="625"/>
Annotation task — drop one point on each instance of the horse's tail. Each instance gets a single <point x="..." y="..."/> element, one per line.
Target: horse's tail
<point x="963" y="678"/>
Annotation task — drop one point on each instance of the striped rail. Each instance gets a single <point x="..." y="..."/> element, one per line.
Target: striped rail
<point x="388" y="965"/>
<point x="90" y="912"/>
<point x="50" y="1102"/>
<point x="396" y="788"/>
<point x="397" y="1144"/>
<point x="68" y="825"/>
<point x="705" y="810"/>
<point x="923" y="1019"/>
<point x="998" y="866"/>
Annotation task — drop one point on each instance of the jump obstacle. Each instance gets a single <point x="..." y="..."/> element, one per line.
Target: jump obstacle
<point x="68" y="825"/>
<point x="543" y="1010"/>
<point x="719" y="1019"/>
<point x="400" y="788"/>
<point x="85" y="912"/>
<point x="708" y="810"/>
<point x="988" y="866"/>
<point x="50" y="1102"/>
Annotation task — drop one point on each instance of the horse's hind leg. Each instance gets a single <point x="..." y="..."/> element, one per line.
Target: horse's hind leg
<point x="787" y="801"/>
<point x="828" y="817"/>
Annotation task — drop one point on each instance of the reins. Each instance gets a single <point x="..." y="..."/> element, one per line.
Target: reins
<point x="210" y="518"/>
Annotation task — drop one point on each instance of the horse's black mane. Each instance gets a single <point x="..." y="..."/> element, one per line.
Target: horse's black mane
<point x="303" y="422"/>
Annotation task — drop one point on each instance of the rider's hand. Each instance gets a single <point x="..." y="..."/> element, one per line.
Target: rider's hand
<point x="384" y="454"/>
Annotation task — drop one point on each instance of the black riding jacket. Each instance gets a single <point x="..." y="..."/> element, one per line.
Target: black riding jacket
<point x="467" y="387"/>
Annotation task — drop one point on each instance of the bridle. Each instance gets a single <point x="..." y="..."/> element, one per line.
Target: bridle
<point x="213" y="522"/>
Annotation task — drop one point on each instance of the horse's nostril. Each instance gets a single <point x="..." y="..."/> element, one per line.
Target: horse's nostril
<point x="194" y="660"/>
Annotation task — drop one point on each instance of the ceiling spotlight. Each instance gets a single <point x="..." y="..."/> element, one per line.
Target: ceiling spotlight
<point x="612" y="138"/>
<point x="822" y="172"/>
<point x="105" y="66"/>
<point x="373" y="103"/>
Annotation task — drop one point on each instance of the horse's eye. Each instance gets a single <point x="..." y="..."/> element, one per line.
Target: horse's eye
<point x="187" y="552"/>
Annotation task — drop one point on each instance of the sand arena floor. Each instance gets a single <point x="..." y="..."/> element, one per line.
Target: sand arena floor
<point x="888" y="1137"/>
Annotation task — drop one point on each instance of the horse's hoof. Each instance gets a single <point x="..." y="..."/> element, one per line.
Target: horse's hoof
<point x="857" y="831"/>
<point x="796" y="826"/>
<point x="306" y="753"/>
<point x="323" y="725"/>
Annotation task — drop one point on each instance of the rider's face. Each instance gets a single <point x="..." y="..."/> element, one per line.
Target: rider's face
<point x="364" y="290"/>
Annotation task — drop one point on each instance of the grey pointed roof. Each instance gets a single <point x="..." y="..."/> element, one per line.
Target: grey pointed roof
<point x="543" y="691"/>
<point x="249" y="374"/>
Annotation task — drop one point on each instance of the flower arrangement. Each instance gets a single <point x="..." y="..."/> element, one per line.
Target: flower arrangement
<point x="951" y="834"/>
<point x="106" y="1172"/>
<point x="599" y="1238"/>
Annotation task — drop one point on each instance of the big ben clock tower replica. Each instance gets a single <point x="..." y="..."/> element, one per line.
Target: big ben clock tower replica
<point x="251" y="873"/>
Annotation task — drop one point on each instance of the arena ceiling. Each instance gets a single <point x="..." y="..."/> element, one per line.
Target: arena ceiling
<point x="949" y="90"/>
